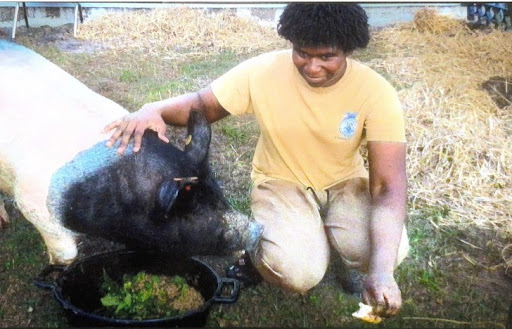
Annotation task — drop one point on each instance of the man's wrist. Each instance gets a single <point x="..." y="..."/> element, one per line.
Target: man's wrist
<point x="379" y="268"/>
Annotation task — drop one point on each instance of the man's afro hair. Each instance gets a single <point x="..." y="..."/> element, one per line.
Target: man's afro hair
<point x="340" y="25"/>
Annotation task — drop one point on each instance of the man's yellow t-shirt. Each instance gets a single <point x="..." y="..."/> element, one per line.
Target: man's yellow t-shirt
<point x="310" y="135"/>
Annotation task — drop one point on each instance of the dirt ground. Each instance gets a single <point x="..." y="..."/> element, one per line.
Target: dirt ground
<point x="437" y="298"/>
<point x="500" y="89"/>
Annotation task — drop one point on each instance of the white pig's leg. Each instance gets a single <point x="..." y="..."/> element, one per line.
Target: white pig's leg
<point x="62" y="248"/>
<point x="60" y="242"/>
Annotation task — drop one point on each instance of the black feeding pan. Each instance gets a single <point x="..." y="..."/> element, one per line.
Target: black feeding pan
<point x="77" y="287"/>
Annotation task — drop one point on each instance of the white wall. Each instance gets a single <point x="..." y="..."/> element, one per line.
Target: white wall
<point x="380" y="14"/>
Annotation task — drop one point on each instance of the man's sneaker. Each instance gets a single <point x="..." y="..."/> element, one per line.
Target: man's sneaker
<point x="244" y="271"/>
<point x="352" y="281"/>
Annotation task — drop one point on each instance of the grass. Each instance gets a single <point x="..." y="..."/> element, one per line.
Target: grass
<point x="22" y="253"/>
<point x="451" y="279"/>
<point x="435" y="285"/>
<point x="211" y="67"/>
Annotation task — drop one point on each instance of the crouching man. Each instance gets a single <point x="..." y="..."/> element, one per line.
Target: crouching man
<point x="311" y="190"/>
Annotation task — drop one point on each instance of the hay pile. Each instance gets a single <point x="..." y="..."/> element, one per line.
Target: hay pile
<point x="429" y="21"/>
<point x="459" y="140"/>
<point x="179" y="32"/>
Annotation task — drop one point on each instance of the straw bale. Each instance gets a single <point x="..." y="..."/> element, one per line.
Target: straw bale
<point x="428" y="20"/>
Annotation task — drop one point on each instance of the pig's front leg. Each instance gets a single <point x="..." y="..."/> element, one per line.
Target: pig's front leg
<point x="62" y="247"/>
<point x="60" y="242"/>
<point x="4" y="216"/>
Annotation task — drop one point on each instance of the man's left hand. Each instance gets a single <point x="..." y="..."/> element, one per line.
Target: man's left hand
<point x="381" y="291"/>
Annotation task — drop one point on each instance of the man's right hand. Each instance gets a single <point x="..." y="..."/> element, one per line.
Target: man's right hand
<point x="134" y="125"/>
<point x="174" y="110"/>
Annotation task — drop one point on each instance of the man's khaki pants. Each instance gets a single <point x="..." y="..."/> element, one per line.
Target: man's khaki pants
<point x="300" y="225"/>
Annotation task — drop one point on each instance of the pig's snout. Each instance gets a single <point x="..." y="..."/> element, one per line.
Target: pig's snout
<point x="254" y="231"/>
<point x="241" y="233"/>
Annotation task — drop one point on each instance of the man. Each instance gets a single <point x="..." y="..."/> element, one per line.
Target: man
<point x="311" y="190"/>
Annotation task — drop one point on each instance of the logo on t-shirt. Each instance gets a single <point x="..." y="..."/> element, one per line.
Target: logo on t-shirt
<point x="348" y="125"/>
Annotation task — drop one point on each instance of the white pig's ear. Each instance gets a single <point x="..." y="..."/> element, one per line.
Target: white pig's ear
<point x="198" y="139"/>
<point x="167" y="194"/>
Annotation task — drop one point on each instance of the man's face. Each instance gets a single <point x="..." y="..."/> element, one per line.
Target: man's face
<point x="320" y="66"/>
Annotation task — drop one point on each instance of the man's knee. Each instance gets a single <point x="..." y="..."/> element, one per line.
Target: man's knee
<point x="296" y="276"/>
<point x="403" y="248"/>
<point x="356" y="253"/>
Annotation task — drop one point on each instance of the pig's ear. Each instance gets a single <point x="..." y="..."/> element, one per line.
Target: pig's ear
<point x="198" y="139"/>
<point x="167" y="194"/>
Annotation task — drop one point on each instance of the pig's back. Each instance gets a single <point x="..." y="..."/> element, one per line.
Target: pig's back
<point x="46" y="115"/>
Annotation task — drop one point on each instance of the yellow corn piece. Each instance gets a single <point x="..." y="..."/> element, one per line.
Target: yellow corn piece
<point x="365" y="313"/>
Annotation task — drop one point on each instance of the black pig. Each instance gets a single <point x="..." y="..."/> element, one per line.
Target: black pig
<point x="160" y="197"/>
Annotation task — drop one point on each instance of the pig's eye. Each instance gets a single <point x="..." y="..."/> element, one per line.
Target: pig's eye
<point x="186" y="195"/>
<point x="186" y="199"/>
